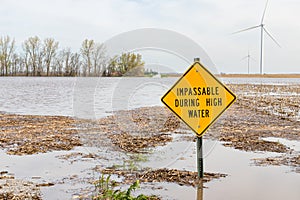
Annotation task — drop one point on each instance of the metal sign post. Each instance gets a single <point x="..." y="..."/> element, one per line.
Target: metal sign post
<point x="200" y="157"/>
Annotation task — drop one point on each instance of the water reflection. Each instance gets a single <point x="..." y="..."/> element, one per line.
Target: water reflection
<point x="200" y="190"/>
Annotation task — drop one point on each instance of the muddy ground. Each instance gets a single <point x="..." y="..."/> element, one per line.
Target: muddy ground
<point x="180" y="177"/>
<point x="260" y="111"/>
<point x="31" y="134"/>
<point x="11" y="188"/>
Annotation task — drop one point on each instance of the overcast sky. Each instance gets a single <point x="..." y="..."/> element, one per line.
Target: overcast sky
<point x="207" y="22"/>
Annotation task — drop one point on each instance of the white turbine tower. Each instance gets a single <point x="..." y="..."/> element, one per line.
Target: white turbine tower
<point x="248" y="57"/>
<point x="262" y="31"/>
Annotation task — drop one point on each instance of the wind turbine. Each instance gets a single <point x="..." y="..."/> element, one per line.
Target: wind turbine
<point x="262" y="31"/>
<point x="248" y="57"/>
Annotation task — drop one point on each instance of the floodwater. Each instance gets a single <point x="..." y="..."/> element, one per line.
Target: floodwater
<point x="80" y="97"/>
<point x="266" y="81"/>
<point x="99" y="97"/>
<point x="92" y="97"/>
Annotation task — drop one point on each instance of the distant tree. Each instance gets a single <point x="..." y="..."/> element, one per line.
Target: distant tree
<point x="44" y="58"/>
<point x="112" y="68"/>
<point x="22" y="65"/>
<point x="7" y="49"/>
<point x="98" y="58"/>
<point x="33" y="49"/>
<point x="87" y="48"/>
<point x="150" y="72"/>
<point x="75" y="64"/>
<point x="66" y="56"/>
<point x="50" y="47"/>
<point x="128" y="64"/>
<point x="26" y="61"/>
<point x="15" y="64"/>
<point x="60" y="62"/>
<point x="1" y="65"/>
<point x="67" y="63"/>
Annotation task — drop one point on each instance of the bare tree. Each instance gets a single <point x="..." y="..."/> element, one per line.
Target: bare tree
<point x="43" y="57"/>
<point x="86" y="50"/>
<point x="22" y="65"/>
<point x="66" y="56"/>
<point x="7" y="48"/>
<point x="1" y="65"/>
<point x="98" y="58"/>
<point x="32" y="47"/>
<point x="49" y="50"/>
<point x="15" y="64"/>
<point x="26" y="61"/>
<point x="59" y="64"/>
<point x="75" y="64"/>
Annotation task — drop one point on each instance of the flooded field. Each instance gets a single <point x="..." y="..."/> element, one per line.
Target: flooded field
<point x="118" y="126"/>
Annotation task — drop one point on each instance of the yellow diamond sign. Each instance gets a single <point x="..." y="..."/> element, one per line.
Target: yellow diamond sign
<point x="198" y="98"/>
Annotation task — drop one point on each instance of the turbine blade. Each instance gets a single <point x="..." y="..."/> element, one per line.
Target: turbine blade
<point x="263" y="16"/>
<point x="271" y="37"/>
<point x="253" y="27"/>
<point x="244" y="58"/>
<point x="252" y="59"/>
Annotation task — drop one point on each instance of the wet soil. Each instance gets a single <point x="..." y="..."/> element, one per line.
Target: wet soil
<point x="30" y="134"/>
<point x="263" y="111"/>
<point x="133" y="131"/>
<point x="11" y="188"/>
<point x="280" y="100"/>
<point x="243" y="129"/>
<point x="136" y="144"/>
<point x="286" y="159"/>
<point x="180" y="177"/>
<point x="240" y="128"/>
<point x="137" y="130"/>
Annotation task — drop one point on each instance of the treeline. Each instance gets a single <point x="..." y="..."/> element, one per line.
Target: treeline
<point x="45" y="58"/>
